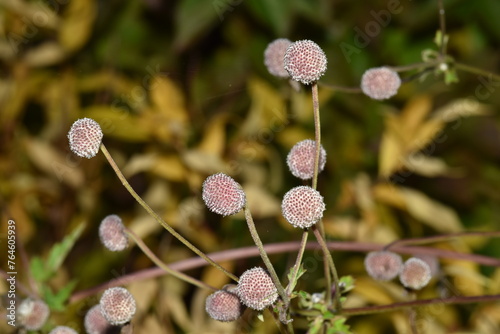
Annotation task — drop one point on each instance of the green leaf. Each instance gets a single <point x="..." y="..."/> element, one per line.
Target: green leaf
<point x="346" y="283"/>
<point x="57" y="301"/>
<point x="60" y="250"/>
<point x="37" y="269"/>
<point x="450" y="76"/>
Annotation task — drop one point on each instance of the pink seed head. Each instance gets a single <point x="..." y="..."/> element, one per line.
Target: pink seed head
<point x="256" y="289"/>
<point x="300" y="159"/>
<point x="117" y="305"/>
<point x="85" y="137"/>
<point x="32" y="314"/>
<point x="224" y="305"/>
<point x="302" y="206"/>
<point x="383" y="265"/>
<point x="415" y="274"/>
<point x="380" y="83"/>
<point x="63" y="330"/>
<point x="305" y="61"/>
<point x="273" y="57"/>
<point x="223" y="195"/>
<point x="112" y="233"/>
<point x="94" y="321"/>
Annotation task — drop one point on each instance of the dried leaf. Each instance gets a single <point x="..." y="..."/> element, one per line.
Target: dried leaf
<point x="203" y="162"/>
<point x="46" y="54"/>
<point x="461" y="108"/>
<point x="214" y="137"/>
<point x="414" y="114"/>
<point x="429" y="166"/>
<point x="391" y="148"/>
<point x="262" y="203"/>
<point x="76" y="27"/>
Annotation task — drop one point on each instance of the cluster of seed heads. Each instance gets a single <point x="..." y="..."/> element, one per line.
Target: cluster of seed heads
<point x="63" y="330"/>
<point x="305" y="61"/>
<point x="300" y="159"/>
<point x="33" y="313"/>
<point x="85" y="137"/>
<point x="112" y="233"/>
<point x="273" y="57"/>
<point x="224" y="305"/>
<point x="380" y="83"/>
<point x="302" y="206"/>
<point x="94" y="321"/>
<point x="223" y="195"/>
<point x="256" y="289"/>
<point x="117" y="305"/>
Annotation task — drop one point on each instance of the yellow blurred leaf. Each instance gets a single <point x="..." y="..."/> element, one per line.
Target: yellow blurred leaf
<point x="413" y="115"/>
<point x="46" y="54"/>
<point x="391" y="148"/>
<point x="169" y="167"/>
<point x="429" y="166"/>
<point x="262" y="203"/>
<point x="372" y="292"/>
<point x="203" y="162"/>
<point x="430" y="212"/>
<point x="424" y="136"/>
<point x="389" y="194"/>
<point x="461" y="108"/>
<point x="214" y="137"/>
<point x="467" y="278"/>
<point x="77" y="22"/>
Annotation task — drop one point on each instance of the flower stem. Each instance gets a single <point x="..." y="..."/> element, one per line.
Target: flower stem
<point x="478" y="71"/>
<point x="298" y="261"/>
<point x="158" y="218"/>
<point x="149" y="253"/>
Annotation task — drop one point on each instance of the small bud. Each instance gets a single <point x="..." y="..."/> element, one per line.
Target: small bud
<point x="85" y="138"/>
<point x="94" y="321"/>
<point x="300" y="159"/>
<point x="415" y="274"/>
<point x="63" y="330"/>
<point x="112" y="233"/>
<point x="32" y="314"/>
<point x="302" y="206"/>
<point x="305" y="61"/>
<point x="223" y="195"/>
<point x="224" y="305"/>
<point x="273" y="57"/>
<point x="117" y="305"/>
<point x="383" y="265"/>
<point x="380" y="83"/>
<point x="256" y="289"/>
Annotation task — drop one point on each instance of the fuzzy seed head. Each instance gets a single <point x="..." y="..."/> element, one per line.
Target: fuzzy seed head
<point x="85" y="138"/>
<point x="112" y="233"/>
<point x="302" y="206"/>
<point x="380" y="83"/>
<point x="223" y="195"/>
<point x="224" y="306"/>
<point x="415" y="274"/>
<point x="94" y="321"/>
<point x="300" y="159"/>
<point x="305" y="61"/>
<point x="273" y="57"/>
<point x="63" y="330"/>
<point x="383" y="265"/>
<point x="117" y="305"/>
<point x="256" y="289"/>
<point x="32" y="314"/>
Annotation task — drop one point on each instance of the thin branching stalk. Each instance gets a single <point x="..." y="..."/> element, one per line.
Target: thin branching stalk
<point x="439" y="238"/>
<point x="298" y="261"/>
<point x="153" y="214"/>
<point x="475" y="70"/>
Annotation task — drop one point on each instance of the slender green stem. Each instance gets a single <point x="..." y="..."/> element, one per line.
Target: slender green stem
<point x="332" y="267"/>
<point x="298" y="261"/>
<point x="317" y="133"/>
<point x="416" y="66"/>
<point x="475" y="70"/>
<point x="147" y="251"/>
<point x="442" y="27"/>
<point x="158" y="218"/>
<point x="265" y="258"/>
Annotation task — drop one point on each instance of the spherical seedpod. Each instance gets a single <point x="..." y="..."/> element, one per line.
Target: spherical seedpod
<point x="273" y="57"/>
<point x="33" y="313"/>
<point x="95" y="322"/>
<point x="380" y="83"/>
<point x="224" y="305"/>
<point x="112" y="233"/>
<point x="383" y="265"/>
<point x="305" y="61"/>
<point x="223" y="195"/>
<point x="415" y="274"/>
<point x="256" y="289"/>
<point x="117" y="305"/>
<point x="300" y="159"/>
<point x="302" y="206"/>
<point x="85" y="137"/>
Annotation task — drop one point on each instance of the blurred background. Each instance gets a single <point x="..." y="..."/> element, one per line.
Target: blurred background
<point x="181" y="92"/>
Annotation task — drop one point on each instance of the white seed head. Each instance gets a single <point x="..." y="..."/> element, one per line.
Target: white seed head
<point x="223" y="195"/>
<point x="256" y="289"/>
<point x="32" y="313"/>
<point x="383" y="265"/>
<point x="305" y="61"/>
<point x="85" y="137"/>
<point x="415" y="274"/>
<point x="273" y="57"/>
<point x="302" y="206"/>
<point x="380" y="83"/>
<point x="224" y="306"/>
<point x="117" y="305"/>
<point x="300" y="159"/>
<point x="94" y="321"/>
<point x="112" y="233"/>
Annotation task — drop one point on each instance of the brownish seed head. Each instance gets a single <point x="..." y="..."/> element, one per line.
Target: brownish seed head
<point x="94" y="321"/>
<point x="380" y="83"/>
<point x="223" y="195"/>
<point x="415" y="274"/>
<point x="32" y="313"/>
<point x="256" y="289"/>
<point x="117" y="305"/>
<point x="300" y="159"/>
<point x="224" y="305"/>
<point x="302" y="206"/>
<point x="383" y="265"/>
<point x="112" y="233"/>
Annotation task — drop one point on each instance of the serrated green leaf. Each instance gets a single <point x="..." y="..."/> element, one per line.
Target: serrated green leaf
<point x="60" y="250"/>
<point x="57" y="301"/>
<point x="450" y="76"/>
<point x="37" y="268"/>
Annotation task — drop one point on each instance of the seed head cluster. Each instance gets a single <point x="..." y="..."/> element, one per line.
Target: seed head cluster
<point x="305" y="61"/>
<point x="273" y="57"/>
<point x="256" y="289"/>
<point x="117" y="305"/>
<point x="300" y="159"/>
<point x="85" y="137"/>
<point x="32" y="313"/>
<point x="380" y="83"/>
<point x="94" y="321"/>
<point x="383" y="265"/>
<point x="302" y="206"/>
<point x="415" y="274"/>
<point x="224" y="305"/>
<point x="223" y="195"/>
<point x="63" y="330"/>
<point x="112" y="233"/>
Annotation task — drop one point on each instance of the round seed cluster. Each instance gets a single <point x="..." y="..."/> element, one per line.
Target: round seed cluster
<point x="117" y="305"/>
<point x="224" y="306"/>
<point x="256" y="289"/>
<point x="380" y="83"/>
<point x="94" y="321"/>
<point x="305" y="61"/>
<point x="223" y="195"/>
<point x="63" y="330"/>
<point x="383" y="265"/>
<point x="302" y="206"/>
<point x="300" y="159"/>
<point x="273" y="57"/>
<point x="85" y="138"/>
<point x="112" y="233"/>
<point x="32" y="314"/>
<point x="415" y="274"/>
